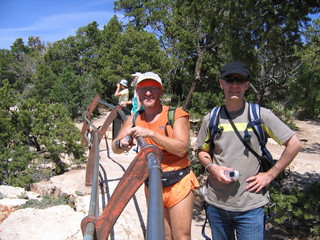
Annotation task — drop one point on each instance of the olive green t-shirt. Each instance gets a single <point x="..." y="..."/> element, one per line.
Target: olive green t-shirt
<point x="229" y="151"/>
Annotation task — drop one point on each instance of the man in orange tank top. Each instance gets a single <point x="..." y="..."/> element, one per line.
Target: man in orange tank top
<point x="178" y="198"/>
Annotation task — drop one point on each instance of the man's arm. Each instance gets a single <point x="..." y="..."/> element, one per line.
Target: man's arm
<point x="293" y="147"/>
<point x="216" y="171"/>
<point x="123" y="144"/>
<point x="258" y="182"/>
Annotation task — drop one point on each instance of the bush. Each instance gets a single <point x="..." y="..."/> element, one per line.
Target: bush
<point x="202" y="103"/>
<point x="284" y="113"/>
<point x="45" y="202"/>
<point x="298" y="212"/>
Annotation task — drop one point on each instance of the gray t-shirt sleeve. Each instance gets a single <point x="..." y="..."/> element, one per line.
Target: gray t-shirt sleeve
<point x="275" y="128"/>
<point x="203" y="134"/>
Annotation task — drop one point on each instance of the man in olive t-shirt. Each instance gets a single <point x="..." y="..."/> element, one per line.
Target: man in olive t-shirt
<point x="235" y="206"/>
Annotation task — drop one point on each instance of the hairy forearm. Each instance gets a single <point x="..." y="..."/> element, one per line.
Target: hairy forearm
<point x="293" y="147"/>
<point x="204" y="158"/>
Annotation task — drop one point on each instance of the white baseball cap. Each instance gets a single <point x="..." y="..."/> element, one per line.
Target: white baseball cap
<point x="124" y="82"/>
<point x="149" y="76"/>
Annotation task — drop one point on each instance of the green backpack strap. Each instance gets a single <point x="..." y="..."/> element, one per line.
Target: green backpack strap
<point x="170" y="121"/>
<point x="134" y="119"/>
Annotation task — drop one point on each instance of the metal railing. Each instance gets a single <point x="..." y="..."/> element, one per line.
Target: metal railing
<point x="145" y="165"/>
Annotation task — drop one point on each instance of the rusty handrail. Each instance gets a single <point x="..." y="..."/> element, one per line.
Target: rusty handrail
<point x="145" y="164"/>
<point x="94" y="199"/>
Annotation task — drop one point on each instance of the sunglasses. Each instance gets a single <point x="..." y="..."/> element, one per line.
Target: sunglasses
<point x="238" y="80"/>
<point x="143" y="90"/>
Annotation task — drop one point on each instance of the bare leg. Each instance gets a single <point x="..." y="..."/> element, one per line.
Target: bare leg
<point x="178" y="218"/>
<point x="167" y="227"/>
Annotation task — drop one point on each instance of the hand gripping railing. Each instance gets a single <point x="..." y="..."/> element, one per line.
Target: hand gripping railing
<point x="145" y="164"/>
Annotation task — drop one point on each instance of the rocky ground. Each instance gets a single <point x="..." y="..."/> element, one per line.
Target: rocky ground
<point x="63" y="222"/>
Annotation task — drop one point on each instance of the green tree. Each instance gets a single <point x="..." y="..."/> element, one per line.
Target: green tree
<point x="261" y="33"/>
<point x="44" y="80"/>
<point x="35" y="138"/>
<point x="306" y="89"/>
<point x="6" y="58"/>
<point x="11" y="150"/>
<point x="72" y="91"/>
<point x="133" y="51"/>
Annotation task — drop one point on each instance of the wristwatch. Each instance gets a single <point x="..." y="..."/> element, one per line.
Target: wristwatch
<point x="117" y="144"/>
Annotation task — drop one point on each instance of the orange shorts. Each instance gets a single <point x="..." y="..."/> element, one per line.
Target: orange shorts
<point x="173" y="194"/>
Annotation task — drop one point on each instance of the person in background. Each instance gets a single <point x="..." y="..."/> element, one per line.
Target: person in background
<point x="122" y="92"/>
<point x="236" y="207"/>
<point x="178" y="198"/>
<point x="136" y="105"/>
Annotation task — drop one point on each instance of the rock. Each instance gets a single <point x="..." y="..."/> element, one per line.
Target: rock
<point x="12" y="202"/>
<point x="61" y="185"/>
<point x="5" y="211"/>
<point x="54" y="223"/>
<point x="11" y="192"/>
<point x="13" y="198"/>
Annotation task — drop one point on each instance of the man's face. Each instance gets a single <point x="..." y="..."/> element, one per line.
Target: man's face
<point x="148" y="96"/>
<point x="234" y="86"/>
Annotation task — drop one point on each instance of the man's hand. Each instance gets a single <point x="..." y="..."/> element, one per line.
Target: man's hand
<point x="126" y="143"/>
<point x="218" y="172"/>
<point x="258" y="182"/>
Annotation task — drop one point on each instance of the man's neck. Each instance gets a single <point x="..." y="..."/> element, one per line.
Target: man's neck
<point x="152" y="112"/>
<point x="233" y="106"/>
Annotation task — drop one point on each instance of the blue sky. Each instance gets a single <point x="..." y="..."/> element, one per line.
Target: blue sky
<point x="51" y="20"/>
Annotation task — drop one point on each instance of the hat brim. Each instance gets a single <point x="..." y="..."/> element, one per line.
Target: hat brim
<point x="149" y="83"/>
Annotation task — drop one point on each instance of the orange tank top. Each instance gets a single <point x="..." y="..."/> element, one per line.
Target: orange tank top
<point x="169" y="162"/>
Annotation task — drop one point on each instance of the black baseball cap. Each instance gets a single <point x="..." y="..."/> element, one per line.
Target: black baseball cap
<point x="235" y="67"/>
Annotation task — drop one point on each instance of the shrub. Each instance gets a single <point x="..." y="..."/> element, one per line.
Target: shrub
<point x="46" y="202"/>
<point x="297" y="211"/>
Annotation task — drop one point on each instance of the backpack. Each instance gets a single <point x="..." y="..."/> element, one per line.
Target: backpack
<point x="254" y="123"/>
<point x="171" y="112"/>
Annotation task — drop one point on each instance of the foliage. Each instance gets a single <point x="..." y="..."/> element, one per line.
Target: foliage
<point x="306" y="88"/>
<point x="202" y="103"/>
<point x="34" y="139"/>
<point x="200" y="36"/>
<point x="133" y="51"/>
<point x="45" y="202"/>
<point x="298" y="211"/>
<point x="285" y="114"/>
<point x="196" y="166"/>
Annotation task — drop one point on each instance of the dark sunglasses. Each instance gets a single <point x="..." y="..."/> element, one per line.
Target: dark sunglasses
<point x="238" y="80"/>
<point x="143" y="90"/>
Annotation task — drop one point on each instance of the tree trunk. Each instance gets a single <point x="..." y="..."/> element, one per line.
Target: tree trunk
<point x="197" y="71"/>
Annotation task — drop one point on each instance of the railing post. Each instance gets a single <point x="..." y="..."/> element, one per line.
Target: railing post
<point x="155" y="224"/>
<point x="94" y="199"/>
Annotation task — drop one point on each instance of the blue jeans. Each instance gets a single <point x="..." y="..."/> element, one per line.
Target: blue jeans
<point x="248" y="225"/>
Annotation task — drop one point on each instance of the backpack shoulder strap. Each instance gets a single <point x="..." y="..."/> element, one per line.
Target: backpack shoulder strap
<point x="134" y="119"/>
<point x="171" y="113"/>
<point x="255" y="123"/>
<point x="213" y="123"/>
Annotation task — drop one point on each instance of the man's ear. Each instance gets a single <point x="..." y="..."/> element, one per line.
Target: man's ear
<point x="221" y="81"/>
